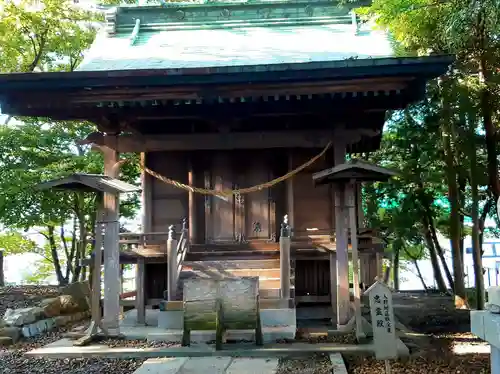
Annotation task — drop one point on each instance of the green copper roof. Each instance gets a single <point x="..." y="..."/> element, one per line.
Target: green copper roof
<point x="191" y="35"/>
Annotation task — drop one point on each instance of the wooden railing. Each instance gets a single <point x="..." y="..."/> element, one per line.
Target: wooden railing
<point x="175" y="250"/>
<point x="130" y="240"/>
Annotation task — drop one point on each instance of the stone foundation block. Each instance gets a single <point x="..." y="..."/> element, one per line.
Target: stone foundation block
<point x="39" y="327"/>
<point x="278" y="317"/>
<point x="491" y="328"/>
<point x="477" y="323"/>
<point x="171" y="319"/>
<point x="271" y="335"/>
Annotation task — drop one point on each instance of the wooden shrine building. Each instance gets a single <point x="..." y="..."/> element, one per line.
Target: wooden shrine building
<point x="228" y="95"/>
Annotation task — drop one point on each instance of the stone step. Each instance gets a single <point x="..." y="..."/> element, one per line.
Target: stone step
<point x="237" y="264"/>
<point x="240" y="255"/>
<point x="263" y="275"/>
<point x="274" y="293"/>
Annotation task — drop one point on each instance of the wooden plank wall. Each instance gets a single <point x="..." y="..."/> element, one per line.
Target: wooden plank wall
<point x="169" y="203"/>
<point x="222" y="218"/>
<point x="156" y="280"/>
<point x="313" y="205"/>
<point x="312" y="278"/>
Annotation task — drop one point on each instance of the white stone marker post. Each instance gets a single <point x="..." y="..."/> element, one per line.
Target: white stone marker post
<point x="486" y="325"/>
<point x="383" y="323"/>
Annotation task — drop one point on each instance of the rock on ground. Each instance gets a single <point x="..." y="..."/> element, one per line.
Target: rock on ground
<point x="24" y="296"/>
<point x="12" y="359"/>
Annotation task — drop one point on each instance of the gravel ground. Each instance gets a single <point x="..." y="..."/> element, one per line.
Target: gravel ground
<point x="310" y="364"/>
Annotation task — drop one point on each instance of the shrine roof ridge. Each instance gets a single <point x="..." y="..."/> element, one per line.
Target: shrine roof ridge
<point x="227" y="14"/>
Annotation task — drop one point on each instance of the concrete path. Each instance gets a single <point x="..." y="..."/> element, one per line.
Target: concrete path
<point x="338" y="364"/>
<point x="223" y="365"/>
<point x="209" y="365"/>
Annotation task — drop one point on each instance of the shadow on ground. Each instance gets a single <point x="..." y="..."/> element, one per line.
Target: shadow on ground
<point x="443" y="332"/>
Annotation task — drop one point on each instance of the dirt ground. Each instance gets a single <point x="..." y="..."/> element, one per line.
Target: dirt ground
<point x="444" y="344"/>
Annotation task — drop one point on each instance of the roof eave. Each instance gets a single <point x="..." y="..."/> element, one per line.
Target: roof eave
<point x="89" y="183"/>
<point x="420" y="67"/>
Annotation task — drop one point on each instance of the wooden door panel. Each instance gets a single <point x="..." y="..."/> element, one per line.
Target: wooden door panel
<point x="251" y="215"/>
<point x="312" y="204"/>
<point x="222" y="212"/>
<point x="257" y="204"/>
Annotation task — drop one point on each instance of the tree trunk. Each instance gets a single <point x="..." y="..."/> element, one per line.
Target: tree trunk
<point x="55" y="257"/>
<point x="441" y="285"/>
<point x="397" y="251"/>
<point x="453" y="198"/>
<point x="83" y="274"/>
<point x="439" y="250"/>
<point x="2" y="274"/>
<point x="489" y="129"/>
<point x="462" y="237"/>
<point x="387" y="274"/>
<point x="476" y="247"/>
<point x="477" y="255"/>
<point x="482" y="219"/>
<point x="419" y="273"/>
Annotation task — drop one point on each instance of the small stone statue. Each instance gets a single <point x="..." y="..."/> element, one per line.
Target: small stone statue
<point x="171" y="232"/>
<point x="285" y="227"/>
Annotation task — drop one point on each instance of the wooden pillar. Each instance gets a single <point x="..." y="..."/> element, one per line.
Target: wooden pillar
<point x="379" y="259"/>
<point x="111" y="249"/>
<point x="289" y="193"/>
<point x="364" y="269"/>
<point x="122" y="281"/>
<point x="333" y="282"/>
<point x="96" y="268"/>
<point x="147" y="197"/>
<point x="372" y="271"/>
<point x="140" y="299"/>
<point x="147" y="216"/>
<point x="353" y="223"/>
<point x="192" y="226"/>
<point x="359" y="203"/>
<point x="172" y="264"/>
<point x="341" y="259"/>
<point x="2" y="276"/>
<point x="285" y="259"/>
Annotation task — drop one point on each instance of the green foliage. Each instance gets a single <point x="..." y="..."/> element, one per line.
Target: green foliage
<point x="37" y="151"/>
<point x="13" y="242"/>
<point x="456" y="122"/>
<point x="43" y="271"/>
<point x="38" y="38"/>
<point x="49" y="37"/>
